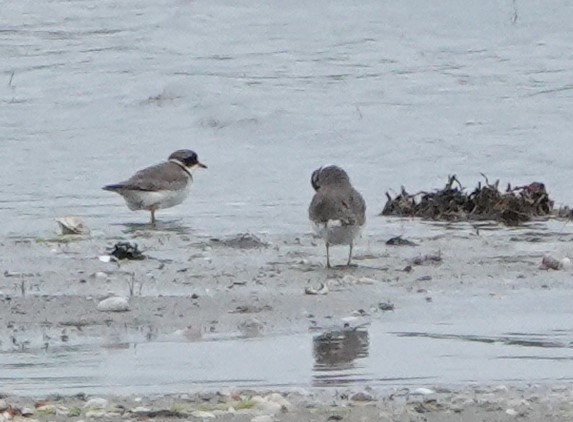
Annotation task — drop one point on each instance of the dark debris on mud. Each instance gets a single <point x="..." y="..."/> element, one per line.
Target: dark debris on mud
<point x="486" y="202"/>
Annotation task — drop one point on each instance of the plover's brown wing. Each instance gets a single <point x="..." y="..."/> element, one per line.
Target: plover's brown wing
<point x="358" y="207"/>
<point x="161" y="177"/>
<point x="332" y="204"/>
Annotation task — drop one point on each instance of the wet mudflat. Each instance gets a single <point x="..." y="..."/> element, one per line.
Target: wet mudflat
<point x="235" y="313"/>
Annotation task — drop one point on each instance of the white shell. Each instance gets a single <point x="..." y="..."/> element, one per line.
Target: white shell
<point x="322" y="290"/>
<point x="72" y="225"/>
<point x="113" y="304"/>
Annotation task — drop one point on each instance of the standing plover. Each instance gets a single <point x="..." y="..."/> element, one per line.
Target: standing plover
<point x="337" y="210"/>
<point x="161" y="186"/>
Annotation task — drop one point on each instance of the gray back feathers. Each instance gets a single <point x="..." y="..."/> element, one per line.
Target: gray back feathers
<point x="335" y="198"/>
<point x="161" y="177"/>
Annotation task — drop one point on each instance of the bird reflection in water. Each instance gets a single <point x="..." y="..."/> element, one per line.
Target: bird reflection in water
<point x="338" y="349"/>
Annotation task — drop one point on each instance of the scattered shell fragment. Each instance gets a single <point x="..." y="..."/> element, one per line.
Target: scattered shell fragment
<point x="366" y="280"/>
<point x="113" y="304"/>
<point x="550" y="263"/>
<point x="321" y="290"/>
<point x="72" y="225"/>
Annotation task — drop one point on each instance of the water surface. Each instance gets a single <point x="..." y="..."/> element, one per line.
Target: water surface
<point x="399" y="93"/>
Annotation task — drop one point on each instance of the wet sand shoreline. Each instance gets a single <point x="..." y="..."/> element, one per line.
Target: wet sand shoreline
<point x="201" y="290"/>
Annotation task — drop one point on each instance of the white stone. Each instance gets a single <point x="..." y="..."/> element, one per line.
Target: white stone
<point x="565" y="263"/>
<point x="96" y="403"/>
<point x="262" y="418"/>
<point x="266" y="406"/>
<point x="113" y="304"/>
<point x="202" y="414"/>
<point x="26" y="411"/>
<point x="511" y="412"/>
<point x="422" y="391"/>
<point x="279" y="399"/>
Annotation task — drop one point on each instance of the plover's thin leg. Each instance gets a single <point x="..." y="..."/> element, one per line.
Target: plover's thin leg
<point x="152" y="216"/>
<point x="327" y="255"/>
<point x="350" y="254"/>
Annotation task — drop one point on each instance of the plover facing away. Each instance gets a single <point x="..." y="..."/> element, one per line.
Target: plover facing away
<point x="161" y="186"/>
<point x="337" y="210"/>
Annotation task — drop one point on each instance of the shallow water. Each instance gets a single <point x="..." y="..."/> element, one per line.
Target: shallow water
<point x="515" y="339"/>
<point x="398" y="93"/>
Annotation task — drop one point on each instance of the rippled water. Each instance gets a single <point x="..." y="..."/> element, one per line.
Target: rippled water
<point x="459" y="340"/>
<point x="396" y="92"/>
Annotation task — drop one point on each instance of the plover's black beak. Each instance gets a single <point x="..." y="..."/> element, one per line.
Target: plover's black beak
<point x="203" y="166"/>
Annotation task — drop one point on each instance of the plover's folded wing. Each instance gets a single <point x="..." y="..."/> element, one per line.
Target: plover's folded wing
<point x="161" y="177"/>
<point x="329" y="205"/>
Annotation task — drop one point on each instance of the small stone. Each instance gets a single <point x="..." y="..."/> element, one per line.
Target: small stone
<point x="266" y="406"/>
<point x="47" y="409"/>
<point x="96" y="414"/>
<point x="386" y="306"/>
<point x="96" y="403"/>
<point x="141" y="409"/>
<point x="26" y="411"/>
<point x="362" y="396"/>
<point x="422" y="391"/>
<point x="3" y="405"/>
<point x="512" y="412"/>
<point x="113" y="304"/>
<point x="279" y="399"/>
<point x="202" y="414"/>
<point x="366" y="280"/>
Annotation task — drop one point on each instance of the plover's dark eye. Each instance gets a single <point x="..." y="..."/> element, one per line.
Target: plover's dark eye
<point x="191" y="159"/>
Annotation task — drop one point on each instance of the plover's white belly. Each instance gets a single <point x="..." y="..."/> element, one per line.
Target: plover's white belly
<point x="147" y="200"/>
<point x="335" y="233"/>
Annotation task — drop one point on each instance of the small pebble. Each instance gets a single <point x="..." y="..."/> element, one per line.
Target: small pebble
<point x="361" y="396"/>
<point x="422" y="391"/>
<point x="96" y="403"/>
<point x="511" y="412"/>
<point x="113" y="304"/>
<point x="202" y="414"/>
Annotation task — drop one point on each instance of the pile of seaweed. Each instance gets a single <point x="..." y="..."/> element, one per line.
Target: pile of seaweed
<point x="452" y="203"/>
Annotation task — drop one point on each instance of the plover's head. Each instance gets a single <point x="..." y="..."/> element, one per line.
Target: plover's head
<point x="187" y="158"/>
<point x="330" y="175"/>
